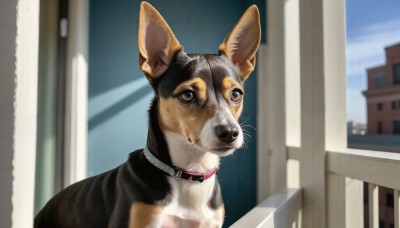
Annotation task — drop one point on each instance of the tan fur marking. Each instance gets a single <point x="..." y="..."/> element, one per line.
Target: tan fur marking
<point x="196" y="84"/>
<point x="223" y="213"/>
<point x="228" y="84"/>
<point x="142" y="215"/>
<point x="186" y="119"/>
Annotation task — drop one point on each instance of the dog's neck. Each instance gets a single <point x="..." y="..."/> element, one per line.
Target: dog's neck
<point x="189" y="157"/>
<point x="174" y="150"/>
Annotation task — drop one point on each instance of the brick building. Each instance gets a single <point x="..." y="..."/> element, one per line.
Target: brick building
<point x="383" y="113"/>
<point x="383" y="94"/>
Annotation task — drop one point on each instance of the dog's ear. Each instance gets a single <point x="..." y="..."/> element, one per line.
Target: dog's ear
<point x="157" y="42"/>
<point x="241" y="45"/>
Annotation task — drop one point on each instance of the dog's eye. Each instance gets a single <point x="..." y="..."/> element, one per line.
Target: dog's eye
<point x="187" y="96"/>
<point x="236" y="96"/>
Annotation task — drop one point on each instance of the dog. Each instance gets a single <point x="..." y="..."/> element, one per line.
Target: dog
<point x="193" y="122"/>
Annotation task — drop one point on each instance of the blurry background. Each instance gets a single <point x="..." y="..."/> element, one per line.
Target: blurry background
<point x="373" y="86"/>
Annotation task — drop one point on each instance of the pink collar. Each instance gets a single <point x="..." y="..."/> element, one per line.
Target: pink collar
<point x="194" y="176"/>
<point x="176" y="172"/>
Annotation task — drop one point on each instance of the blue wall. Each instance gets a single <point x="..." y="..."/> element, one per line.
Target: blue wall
<point x="119" y="95"/>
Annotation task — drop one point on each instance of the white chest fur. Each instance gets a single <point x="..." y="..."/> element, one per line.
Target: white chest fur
<point x="190" y="205"/>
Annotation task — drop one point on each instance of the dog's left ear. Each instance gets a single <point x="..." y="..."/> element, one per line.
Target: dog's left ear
<point x="241" y="45"/>
<point x="157" y="43"/>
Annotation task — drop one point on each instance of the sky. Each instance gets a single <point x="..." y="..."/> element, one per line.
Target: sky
<point x="371" y="26"/>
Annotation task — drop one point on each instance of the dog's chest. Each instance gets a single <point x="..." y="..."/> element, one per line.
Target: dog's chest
<point x="190" y="206"/>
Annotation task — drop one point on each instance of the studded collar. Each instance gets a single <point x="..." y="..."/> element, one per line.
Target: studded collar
<point x="176" y="172"/>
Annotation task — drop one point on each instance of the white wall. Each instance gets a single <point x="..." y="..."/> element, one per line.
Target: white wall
<point x="8" y="31"/>
<point x="19" y="29"/>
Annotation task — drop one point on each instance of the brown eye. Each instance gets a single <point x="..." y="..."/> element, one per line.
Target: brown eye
<point x="236" y="96"/>
<point x="187" y="96"/>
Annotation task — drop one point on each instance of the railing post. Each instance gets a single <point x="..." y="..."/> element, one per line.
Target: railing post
<point x="323" y="110"/>
<point x="271" y="103"/>
<point x="354" y="203"/>
<point x="351" y="192"/>
<point x="292" y="86"/>
<point x="292" y="71"/>
<point x="373" y="209"/>
<point x="396" y="209"/>
<point x="312" y="160"/>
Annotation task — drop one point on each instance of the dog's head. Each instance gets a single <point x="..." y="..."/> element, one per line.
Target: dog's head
<point x="200" y="97"/>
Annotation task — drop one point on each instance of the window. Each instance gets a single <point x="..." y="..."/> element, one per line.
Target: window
<point x="395" y="105"/>
<point x="389" y="200"/>
<point x="379" y="128"/>
<point x="379" y="106"/>
<point x="380" y="80"/>
<point x="396" y="127"/>
<point x="396" y="73"/>
<point x="381" y="224"/>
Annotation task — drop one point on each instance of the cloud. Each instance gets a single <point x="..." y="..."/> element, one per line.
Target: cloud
<point x="366" y="49"/>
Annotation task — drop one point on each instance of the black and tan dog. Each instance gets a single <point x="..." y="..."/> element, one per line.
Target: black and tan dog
<point x="193" y="122"/>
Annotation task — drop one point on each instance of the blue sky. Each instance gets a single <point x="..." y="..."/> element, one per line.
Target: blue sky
<point x="372" y="25"/>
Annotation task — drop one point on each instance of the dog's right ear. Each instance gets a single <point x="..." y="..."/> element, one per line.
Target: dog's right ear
<point x="157" y="42"/>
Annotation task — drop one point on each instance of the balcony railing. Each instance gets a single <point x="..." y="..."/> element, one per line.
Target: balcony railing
<point x="283" y="209"/>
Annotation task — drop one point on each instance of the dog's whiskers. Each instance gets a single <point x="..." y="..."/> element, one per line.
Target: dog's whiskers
<point x="248" y="125"/>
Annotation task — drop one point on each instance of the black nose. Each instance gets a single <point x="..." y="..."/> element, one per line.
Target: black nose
<point x="227" y="133"/>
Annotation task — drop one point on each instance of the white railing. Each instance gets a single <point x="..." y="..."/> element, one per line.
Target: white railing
<point x="377" y="168"/>
<point x="283" y="209"/>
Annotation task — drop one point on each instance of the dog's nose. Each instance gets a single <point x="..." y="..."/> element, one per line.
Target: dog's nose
<point x="227" y="133"/>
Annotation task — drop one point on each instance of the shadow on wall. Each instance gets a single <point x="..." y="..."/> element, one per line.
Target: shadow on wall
<point x="119" y="106"/>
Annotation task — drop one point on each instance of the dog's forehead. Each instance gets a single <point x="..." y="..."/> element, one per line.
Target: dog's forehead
<point x="212" y="69"/>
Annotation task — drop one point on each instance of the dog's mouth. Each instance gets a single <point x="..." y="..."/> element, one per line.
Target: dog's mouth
<point x="224" y="149"/>
<point x="219" y="150"/>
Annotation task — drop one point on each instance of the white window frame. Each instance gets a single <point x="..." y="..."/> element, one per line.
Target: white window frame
<point x="18" y="90"/>
<point x="18" y="109"/>
<point x="75" y="162"/>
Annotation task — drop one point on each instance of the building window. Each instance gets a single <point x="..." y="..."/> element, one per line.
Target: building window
<point x="396" y="73"/>
<point x="381" y="224"/>
<point x="379" y="106"/>
<point x="390" y="200"/>
<point x="395" y="105"/>
<point x="396" y="127"/>
<point x="379" y="128"/>
<point x="380" y="80"/>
